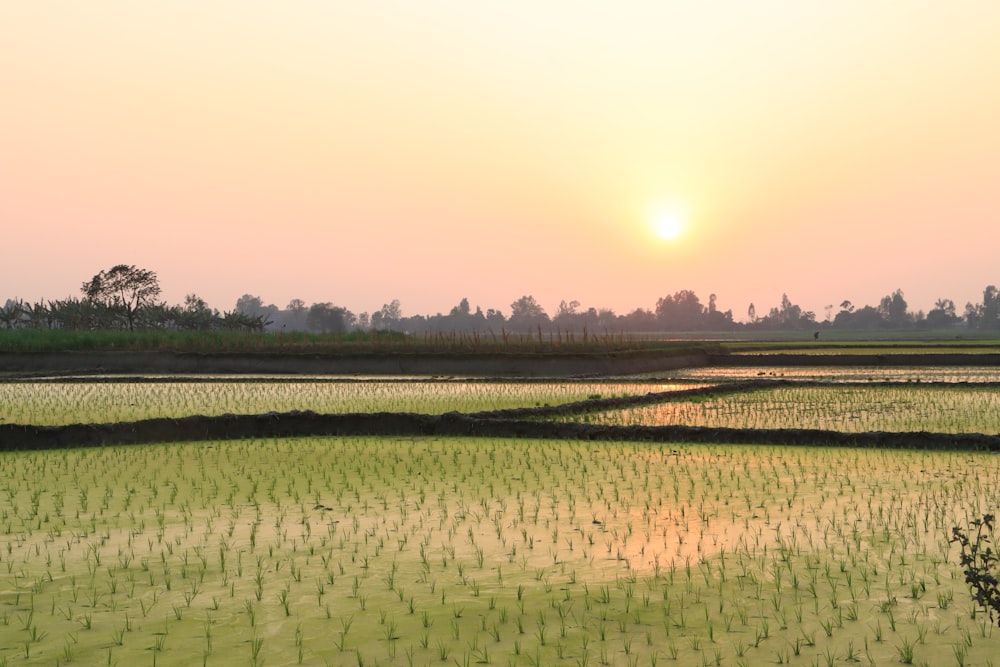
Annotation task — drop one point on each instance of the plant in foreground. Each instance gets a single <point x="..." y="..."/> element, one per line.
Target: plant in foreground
<point x="979" y="561"/>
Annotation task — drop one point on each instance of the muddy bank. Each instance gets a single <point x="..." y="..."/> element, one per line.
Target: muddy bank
<point x="466" y="365"/>
<point x="292" y="424"/>
<point x="512" y="365"/>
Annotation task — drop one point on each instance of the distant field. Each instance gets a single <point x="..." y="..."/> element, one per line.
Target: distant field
<point x="903" y="374"/>
<point x="929" y="341"/>
<point x="868" y="349"/>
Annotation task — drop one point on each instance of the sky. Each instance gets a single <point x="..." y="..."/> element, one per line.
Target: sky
<point x="360" y="152"/>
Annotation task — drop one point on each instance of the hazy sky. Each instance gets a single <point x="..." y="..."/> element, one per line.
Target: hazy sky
<point x="357" y="152"/>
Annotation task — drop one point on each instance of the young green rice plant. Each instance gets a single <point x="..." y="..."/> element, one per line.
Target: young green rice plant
<point x="905" y="651"/>
<point x="961" y="652"/>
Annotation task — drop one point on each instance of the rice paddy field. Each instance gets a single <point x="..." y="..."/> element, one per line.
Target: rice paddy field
<point x="846" y="408"/>
<point x="103" y="401"/>
<point x="820" y="373"/>
<point x="466" y="551"/>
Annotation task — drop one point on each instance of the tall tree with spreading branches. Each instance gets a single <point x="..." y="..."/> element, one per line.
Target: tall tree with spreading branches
<point x="123" y="290"/>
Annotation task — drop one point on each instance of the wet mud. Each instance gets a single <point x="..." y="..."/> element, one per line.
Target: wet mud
<point x="299" y="424"/>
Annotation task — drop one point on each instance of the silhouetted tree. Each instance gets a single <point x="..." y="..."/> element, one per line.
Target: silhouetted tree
<point x="239" y="321"/>
<point x="495" y="319"/>
<point x="526" y="313"/>
<point x="986" y="314"/>
<point x="459" y="319"/>
<point x="11" y="313"/>
<point x="788" y="316"/>
<point x="71" y="313"/>
<point x="462" y="308"/>
<point x="195" y="314"/>
<point x="38" y="315"/>
<point x="716" y="320"/>
<point x="161" y="316"/>
<point x="640" y="319"/>
<point x="253" y="307"/>
<point x="681" y="312"/>
<point x="526" y="306"/>
<point x="292" y="318"/>
<point x="388" y="317"/>
<point x="328" y="318"/>
<point x="942" y="315"/>
<point x="789" y="313"/>
<point x="892" y="308"/>
<point x="567" y="317"/>
<point x="126" y="296"/>
<point x="567" y="309"/>
<point x="867" y="317"/>
<point x="123" y="291"/>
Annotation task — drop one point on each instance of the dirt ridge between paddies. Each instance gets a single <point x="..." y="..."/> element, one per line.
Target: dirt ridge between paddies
<point x="510" y="365"/>
<point x="15" y="437"/>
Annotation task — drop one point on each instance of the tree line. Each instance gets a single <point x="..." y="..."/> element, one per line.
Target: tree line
<point x="126" y="297"/>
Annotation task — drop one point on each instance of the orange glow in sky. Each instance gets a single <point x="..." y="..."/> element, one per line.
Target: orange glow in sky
<point x="359" y="152"/>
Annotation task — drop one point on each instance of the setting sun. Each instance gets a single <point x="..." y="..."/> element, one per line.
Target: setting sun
<point x="669" y="228"/>
<point x="668" y="224"/>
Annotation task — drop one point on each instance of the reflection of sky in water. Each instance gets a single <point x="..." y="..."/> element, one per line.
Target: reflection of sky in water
<point x="683" y="507"/>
